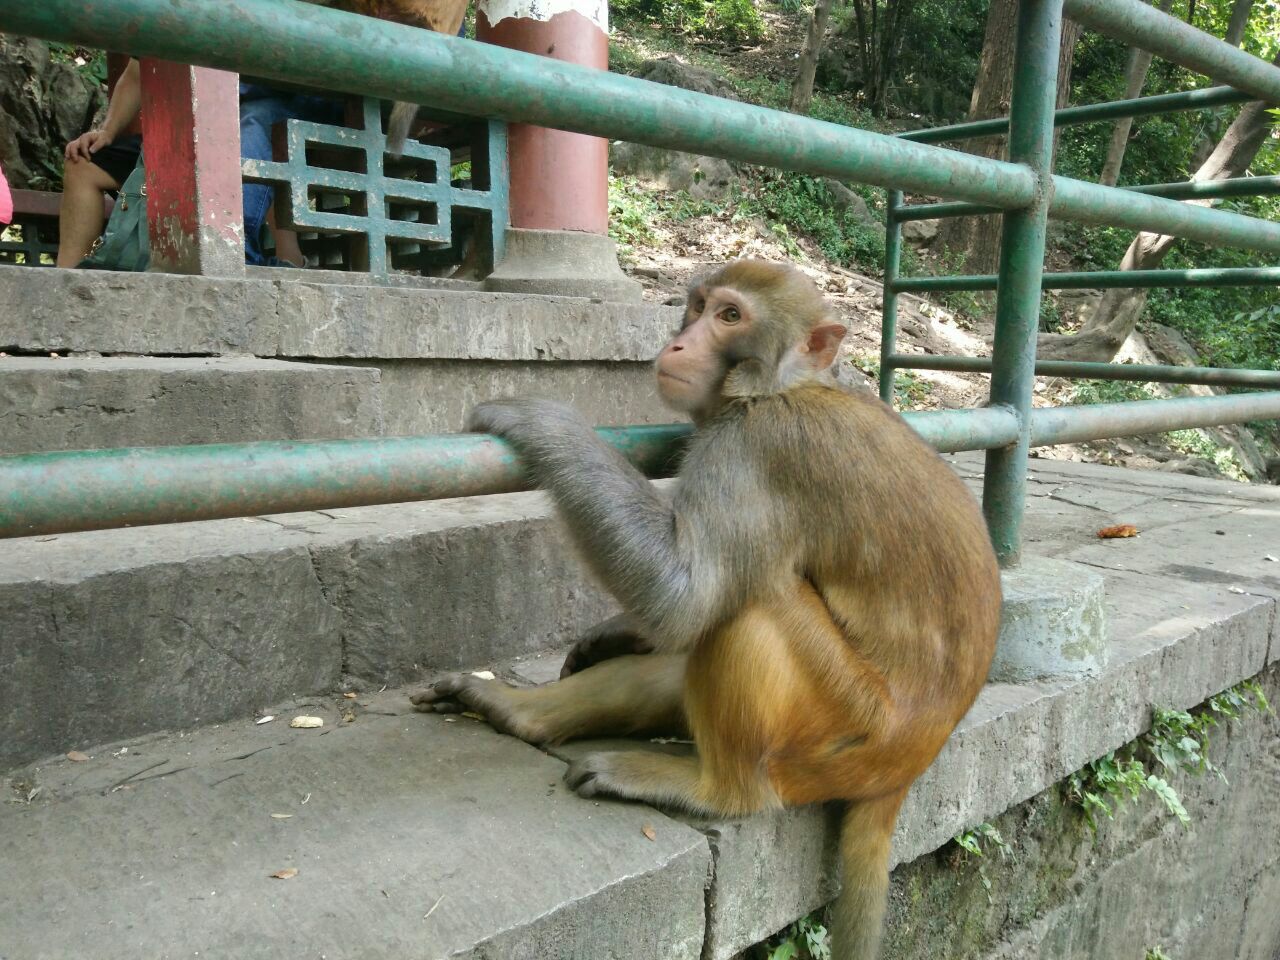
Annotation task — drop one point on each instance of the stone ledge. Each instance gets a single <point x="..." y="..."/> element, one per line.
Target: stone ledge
<point x="411" y="839"/>
<point x="85" y="311"/>
<point x="77" y="403"/>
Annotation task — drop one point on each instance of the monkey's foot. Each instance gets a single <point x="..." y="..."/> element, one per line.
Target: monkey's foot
<point x="660" y="779"/>
<point x="495" y="700"/>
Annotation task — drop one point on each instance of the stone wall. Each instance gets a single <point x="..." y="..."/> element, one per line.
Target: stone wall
<point x="1210" y="890"/>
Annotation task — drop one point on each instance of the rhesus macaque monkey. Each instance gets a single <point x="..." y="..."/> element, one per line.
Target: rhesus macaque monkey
<point x="820" y="595"/>
<point x="442" y="16"/>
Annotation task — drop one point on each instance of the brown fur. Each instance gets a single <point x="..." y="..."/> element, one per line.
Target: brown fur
<point x="822" y="593"/>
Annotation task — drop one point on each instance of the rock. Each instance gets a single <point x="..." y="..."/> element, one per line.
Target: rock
<point x="674" y="72"/>
<point x="1273" y="469"/>
<point x="43" y="104"/>
<point x="1190" y="465"/>
<point x="920" y="231"/>
<point x="849" y="203"/>
<point x="705" y="178"/>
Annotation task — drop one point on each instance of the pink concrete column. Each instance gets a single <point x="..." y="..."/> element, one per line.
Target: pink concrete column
<point x="559" y="181"/>
<point x="191" y="142"/>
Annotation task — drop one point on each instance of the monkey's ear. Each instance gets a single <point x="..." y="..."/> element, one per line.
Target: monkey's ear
<point x="824" y="343"/>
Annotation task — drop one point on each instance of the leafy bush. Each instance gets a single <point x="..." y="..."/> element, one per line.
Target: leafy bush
<point x="794" y="201"/>
<point x="715" y="19"/>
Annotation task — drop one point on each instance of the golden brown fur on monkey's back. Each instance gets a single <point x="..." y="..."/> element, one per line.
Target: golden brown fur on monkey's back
<point x="900" y="556"/>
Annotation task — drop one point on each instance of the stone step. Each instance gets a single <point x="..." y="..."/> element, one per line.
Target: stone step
<point x="79" y="403"/>
<point x="433" y="836"/>
<point x="114" y="633"/>
<point x="438" y="348"/>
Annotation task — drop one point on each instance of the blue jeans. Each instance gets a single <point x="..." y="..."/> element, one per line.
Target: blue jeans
<point x="260" y="108"/>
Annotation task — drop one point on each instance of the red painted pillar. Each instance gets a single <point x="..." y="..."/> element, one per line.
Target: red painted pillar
<point x="191" y="141"/>
<point x="559" y="181"/>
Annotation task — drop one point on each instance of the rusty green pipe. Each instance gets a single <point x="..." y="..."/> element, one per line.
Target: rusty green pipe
<point x="100" y="489"/>
<point x="1138" y="24"/>
<point x="1182" y="190"/>
<point x="1107" y="279"/>
<point x="1089" y="113"/>
<point x="285" y="40"/>
<point x="1136" y="418"/>
<point x="1140" y="372"/>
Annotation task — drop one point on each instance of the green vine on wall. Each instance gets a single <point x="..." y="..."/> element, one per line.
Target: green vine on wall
<point x="1177" y="741"/>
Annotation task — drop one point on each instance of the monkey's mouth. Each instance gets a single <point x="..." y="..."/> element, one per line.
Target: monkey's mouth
<point x="672" y="376"/>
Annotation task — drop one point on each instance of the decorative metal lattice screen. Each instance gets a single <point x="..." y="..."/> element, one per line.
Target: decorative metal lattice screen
<point x="395" y="212"/>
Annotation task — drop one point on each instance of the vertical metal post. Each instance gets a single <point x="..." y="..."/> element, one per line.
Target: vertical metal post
<point x="191" y="131"/>
<point x="1035" y="71"/>
<point x="889" y="310"/>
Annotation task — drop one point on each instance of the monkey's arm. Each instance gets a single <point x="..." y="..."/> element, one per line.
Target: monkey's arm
<point x="665" y="563"/>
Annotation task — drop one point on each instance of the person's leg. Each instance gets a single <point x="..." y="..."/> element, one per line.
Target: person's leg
<point x="256" y="118"/>
<point x="80" y="218"/>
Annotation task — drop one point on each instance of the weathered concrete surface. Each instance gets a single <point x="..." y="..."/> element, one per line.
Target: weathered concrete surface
<point x="434" y="396"/>
<point x="412" y="837"/>
<point x="107" y="637"/>
<point x="1210" y="890"/>
<point x="118" y="632"/>
<point x="82" y="403"/>
<point x="562" y="262"/>
<point x="86" y="311"/>
<point x="1175" y="639"/>
<point x="1051" y="622"/>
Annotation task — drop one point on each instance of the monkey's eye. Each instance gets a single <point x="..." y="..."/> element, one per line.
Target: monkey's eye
<point x="730" y="315"/>
<point x="699" y="305"/>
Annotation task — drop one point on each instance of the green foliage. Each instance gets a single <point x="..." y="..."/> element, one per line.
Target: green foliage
<point x="977" y="842"/>
<point x="910" y="391"/>
<point x="796" y="202"/>
<point x="806" y="939"/>
<point x="632" y="211"/>
<point x="88" y="62"/>
<point x="725" y="20"/>
<point x="1178" y="741"/>
<point x="1156" y="953"/>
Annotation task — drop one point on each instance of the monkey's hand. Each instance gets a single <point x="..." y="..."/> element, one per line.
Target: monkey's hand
<point x="615" y="637"/>
<point x="523" y="421"/>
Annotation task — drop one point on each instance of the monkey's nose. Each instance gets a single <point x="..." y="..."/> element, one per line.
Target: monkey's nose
<point x="676" y="347"/>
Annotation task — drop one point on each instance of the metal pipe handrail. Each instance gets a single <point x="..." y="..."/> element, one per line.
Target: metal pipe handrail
<point x="101" y="489"/>
<point x="51" y="493"/>
<point x="1141" y="25"/>
<point x="1105" y="279"/>
<point x="287" y="40"/>
<point x="1089" y="113"/>
<point x="1086" y="370"/>
<point x="1181" y="190"/>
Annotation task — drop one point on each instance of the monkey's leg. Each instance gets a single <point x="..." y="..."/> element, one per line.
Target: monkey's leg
<point x="617" y="697"/>
<point x="737" y="681"/>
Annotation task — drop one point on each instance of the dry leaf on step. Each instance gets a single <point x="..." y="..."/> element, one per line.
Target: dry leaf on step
<point x="1119" y="531"/>
<point x="306" y="723"/>
<point x="287" y="874"/>
<point x="649" y="832"/>
<point x="75" y="756"/>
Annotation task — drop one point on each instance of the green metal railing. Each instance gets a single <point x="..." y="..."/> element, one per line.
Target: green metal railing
<point x="300" y="43"/>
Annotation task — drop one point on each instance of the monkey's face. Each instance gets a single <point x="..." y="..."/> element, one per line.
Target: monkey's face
<point x="715" y="334"/>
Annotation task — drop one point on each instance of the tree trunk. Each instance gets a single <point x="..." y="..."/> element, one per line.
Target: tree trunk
<point x="802" y="88"/>
<point x="1240" y="11"/>
<point x="1134" y="77"/>
<point x="978" y="238"/>
<point x="1119" y="310"/>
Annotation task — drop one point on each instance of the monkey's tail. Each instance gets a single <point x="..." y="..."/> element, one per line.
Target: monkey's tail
<point x="398" y="127"/>
<point x="858" y="913"/>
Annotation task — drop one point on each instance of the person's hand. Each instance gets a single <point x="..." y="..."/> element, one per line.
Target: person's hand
<point x="86" y="145"/>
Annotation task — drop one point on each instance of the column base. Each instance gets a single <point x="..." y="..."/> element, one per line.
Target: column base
<point x="564" y="263"/>
<point x="1052" y="623"/>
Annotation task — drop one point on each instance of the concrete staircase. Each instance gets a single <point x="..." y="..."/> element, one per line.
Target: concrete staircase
<point x="155" y="650"/>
